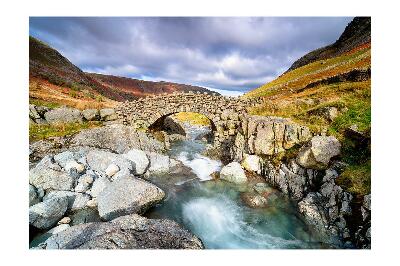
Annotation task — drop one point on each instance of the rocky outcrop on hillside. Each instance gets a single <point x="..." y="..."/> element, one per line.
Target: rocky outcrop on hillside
<point x="307" y="174"/>
<point x="357" y="32"/>
<point x="269" y="135"/>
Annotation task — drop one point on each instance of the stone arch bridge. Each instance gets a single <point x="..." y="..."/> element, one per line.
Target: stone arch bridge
<point x="225" y="113"/>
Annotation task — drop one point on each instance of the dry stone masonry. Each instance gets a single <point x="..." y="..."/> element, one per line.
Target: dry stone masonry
<point x="225" y="113"/>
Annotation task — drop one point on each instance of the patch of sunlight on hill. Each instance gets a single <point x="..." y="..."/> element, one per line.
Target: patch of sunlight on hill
<point x="358" y="58"/>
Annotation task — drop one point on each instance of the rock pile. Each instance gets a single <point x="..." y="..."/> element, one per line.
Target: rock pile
<point x="72" y="192"/>
<point x="45" y="115"/>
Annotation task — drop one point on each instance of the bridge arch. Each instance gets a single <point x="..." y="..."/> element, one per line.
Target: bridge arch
<point x="226" y="113"/>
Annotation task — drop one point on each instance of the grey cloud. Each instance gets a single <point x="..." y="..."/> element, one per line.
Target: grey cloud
<point x="227" y="53"/>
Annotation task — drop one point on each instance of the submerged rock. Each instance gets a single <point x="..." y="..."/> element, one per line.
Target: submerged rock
<point x="127" y="232"/>
<point x="234" y="173"/>
<point x="127" y="195"/>
<point x="254" y="200"/>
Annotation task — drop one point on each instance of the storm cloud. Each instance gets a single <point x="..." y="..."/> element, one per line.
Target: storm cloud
<point x="231" y="53"/>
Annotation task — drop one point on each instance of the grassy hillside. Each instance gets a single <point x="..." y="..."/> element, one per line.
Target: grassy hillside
<point x="135" y="88"/>
<point x="304" y="94"/>
<point x="54" y="80"/>
<point x="357" y="32"/>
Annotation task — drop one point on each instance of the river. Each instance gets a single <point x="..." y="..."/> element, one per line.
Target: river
<point x="214" y="209"/>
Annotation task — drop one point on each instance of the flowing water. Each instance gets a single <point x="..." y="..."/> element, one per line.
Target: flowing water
<point x="214" y="209"/>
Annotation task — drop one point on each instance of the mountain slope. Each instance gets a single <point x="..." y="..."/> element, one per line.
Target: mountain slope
<point x="138" y="88"/>
<point x="331" y="96"/>
<point x="53" y="79"/>
<point x="357" y="32"/>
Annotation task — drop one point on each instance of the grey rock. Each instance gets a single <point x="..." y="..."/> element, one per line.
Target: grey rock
<point x="140" y="160"/>
<point x="99" y="160"/>
<point x="367" y="202"/>
<point x="98" y="186"/>
<point x="75" y="200"/>
<point x="127" y="232"/>
<point x="254" y="200"/>
<point x="48" y="175"/>
<point x="63" y="115"/>
<point x="65" y="220"/>
<point x="252" y="163"/>
<point x="74" y="166"/>
<point x="91" y="114"/>
<point x="85" y="215"/>
<point x="84" y="183"/>
<point x="108" y="114"/>
<point x="311" y="208"/>
<point x="112" y="169"/>
<point x="318" y="152"/>
<point x="47" y="213"/>
<point x="233" y="172"/>
<point x="33" y="196"/>
<point x="33" y="114"/>
<point x="64" y="157"/>
<point x="159" y="164"/>
<point x="127" y="195"/>
<point x="116" y="138"/>
<point x="268" y="135"/>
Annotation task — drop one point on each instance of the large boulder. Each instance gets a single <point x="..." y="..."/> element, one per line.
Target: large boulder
<point x="108" y="114"/>
<point x="159" y="164"/>
<point x="91" y="114"/>
<point x="140" y="160"/>
<point x="102" y="161"/>
<point x="233" y="172"/>
<point x="75" y="200"/>
<point x="268" y="135"/>
<point x="63" y="115"/>
<point x="127" y="232"/>
<point x="116" y="138"/>
<point x="48" y="175"/>
<point x="127" y="195"/>
<point x="313" y="212"/>
<point x="318" y="152"/>
<point x="47" y="213"/>
<point x="252" y="163"/>
<point x="98" y="186"/>
<point x="85" y="215"/>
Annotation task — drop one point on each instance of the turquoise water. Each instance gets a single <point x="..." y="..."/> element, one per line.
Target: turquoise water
<point x="215" y="212"/>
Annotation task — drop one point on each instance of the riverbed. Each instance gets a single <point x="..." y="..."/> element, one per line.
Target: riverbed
<point x="215" y="211"/>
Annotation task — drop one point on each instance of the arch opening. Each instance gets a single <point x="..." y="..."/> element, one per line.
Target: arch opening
<point x="187" y="124"/>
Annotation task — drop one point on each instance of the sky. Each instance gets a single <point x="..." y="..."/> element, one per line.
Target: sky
<point x="222" y="53"/>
